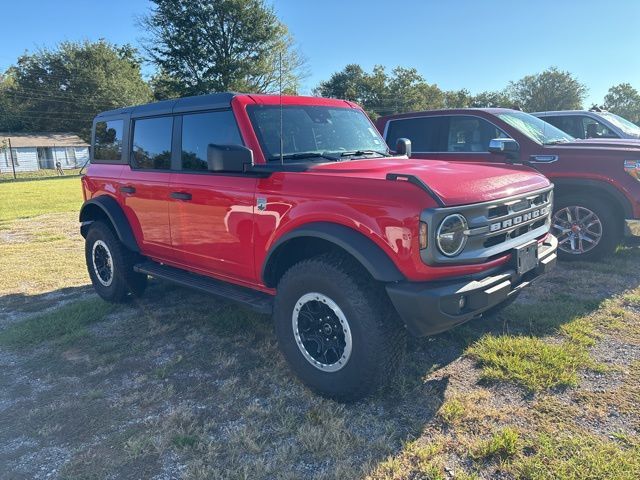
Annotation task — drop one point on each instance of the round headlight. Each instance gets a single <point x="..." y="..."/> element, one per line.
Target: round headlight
<point x="451" y="235"/>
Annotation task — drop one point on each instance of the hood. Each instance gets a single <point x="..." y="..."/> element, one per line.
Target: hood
<point x="456" y="183"/>
<point x="616" y="143"/>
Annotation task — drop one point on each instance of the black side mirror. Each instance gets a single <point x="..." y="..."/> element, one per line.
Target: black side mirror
<point x="403" y="147"/>
<point x="505" y="146"/>
<point x="228" y="158"/>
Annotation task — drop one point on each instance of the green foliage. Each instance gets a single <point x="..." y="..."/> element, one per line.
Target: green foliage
<point x="219" y="45"/>
<point x="624" y="100"/>
<point x="63" y="89"/>
<point x="552" y="89"/>
<point x="402" y="90"/>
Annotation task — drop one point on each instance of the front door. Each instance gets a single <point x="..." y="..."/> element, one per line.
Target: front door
<point x="211" y="214"/>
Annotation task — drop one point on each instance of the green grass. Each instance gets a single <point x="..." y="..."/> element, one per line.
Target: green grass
<point x="580" y="457"/>
<point x="503" y="444"/>
<point x="529" y="361"/>
<point x="32" y="198"/>
<point x="65" y="324"/>
<point x="42" y="173"/>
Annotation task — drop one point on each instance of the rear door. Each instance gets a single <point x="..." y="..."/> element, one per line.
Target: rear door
<point x="211" y="214"/>
<point x="144" y="185"/>
<point x="446" y="137"/>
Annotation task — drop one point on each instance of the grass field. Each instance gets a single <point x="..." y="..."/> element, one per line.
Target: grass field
<point x="178" y="385"/>
<point x="38" y="174"/>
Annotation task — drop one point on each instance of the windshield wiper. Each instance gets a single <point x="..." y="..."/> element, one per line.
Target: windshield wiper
<point x="302" y="155"/>
<point x="357" y="153"/>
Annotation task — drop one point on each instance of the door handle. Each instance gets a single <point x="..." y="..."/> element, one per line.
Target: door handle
<point x="128" y="189"/>
<point x="181" y="195"/>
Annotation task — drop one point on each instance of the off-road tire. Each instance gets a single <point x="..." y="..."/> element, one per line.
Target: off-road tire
<point x="124" y="281"/>
<point x="612" y="226"/>
<point x="378" y="338"/>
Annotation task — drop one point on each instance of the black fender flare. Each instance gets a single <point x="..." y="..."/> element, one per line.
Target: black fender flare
<point x="612" y="191"/>
<point x="113" y="211"/>
<point x="363" y="249"/>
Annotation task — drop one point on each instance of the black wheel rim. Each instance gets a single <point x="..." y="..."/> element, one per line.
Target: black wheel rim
<point x="322" y="332"/>
<point x="102" y="263"/>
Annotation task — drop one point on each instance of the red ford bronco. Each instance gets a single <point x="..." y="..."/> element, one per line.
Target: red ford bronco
<point x="294" y="206"/>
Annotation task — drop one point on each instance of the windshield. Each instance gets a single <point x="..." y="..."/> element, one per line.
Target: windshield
<point x="622" y="123"/>
<point x="313" y="132"/>
<point x="535" y="128"/>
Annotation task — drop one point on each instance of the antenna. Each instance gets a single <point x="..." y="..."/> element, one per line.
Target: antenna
<point x="281" y="140"/>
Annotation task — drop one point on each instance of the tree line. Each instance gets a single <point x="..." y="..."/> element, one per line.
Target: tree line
<point x="205" y="46"/>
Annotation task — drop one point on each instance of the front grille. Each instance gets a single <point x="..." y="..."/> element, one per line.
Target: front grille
<point x="494" y="227"/>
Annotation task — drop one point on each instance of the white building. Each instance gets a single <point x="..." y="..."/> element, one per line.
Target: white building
<point x="34" y="151"/>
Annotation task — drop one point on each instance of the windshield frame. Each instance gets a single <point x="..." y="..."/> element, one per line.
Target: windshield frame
<point x="544" y="137"/>
<point x="320" y="155"/>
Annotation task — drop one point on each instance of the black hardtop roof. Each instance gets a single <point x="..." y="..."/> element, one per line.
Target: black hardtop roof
<point x="176" y="105"/>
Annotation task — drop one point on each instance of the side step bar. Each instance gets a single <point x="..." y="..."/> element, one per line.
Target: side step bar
<point x="257" y="301"/>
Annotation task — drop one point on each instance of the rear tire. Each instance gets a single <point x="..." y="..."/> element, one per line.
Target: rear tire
<point x="358" y="341"/>
<point x="587" y="228"/>
<point x="110" y="265"/>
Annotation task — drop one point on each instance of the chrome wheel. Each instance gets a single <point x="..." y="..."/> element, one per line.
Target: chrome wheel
<point x="102" y="262"/>
<point x="579" y="230"/>
<point x="321" y="332"/>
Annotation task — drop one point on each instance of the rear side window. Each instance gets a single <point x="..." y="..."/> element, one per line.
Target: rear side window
<point x="427" y="134"/>
<point x="152" y="143"/>
<point x="202" y="129"/>
<point x="107" y="142"/>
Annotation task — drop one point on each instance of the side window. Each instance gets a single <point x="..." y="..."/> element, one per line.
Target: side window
<point x="427" y="134"/>
<point x="570" y="124"/>
<point x="201" y="129"/>
<point x="152" y="143"/>
<point x="107" y="142"/>
<point x="471" y="134"/>
<point x="594" y="129"/>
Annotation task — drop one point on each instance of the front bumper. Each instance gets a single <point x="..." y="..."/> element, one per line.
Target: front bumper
<point x="433" y="307"/>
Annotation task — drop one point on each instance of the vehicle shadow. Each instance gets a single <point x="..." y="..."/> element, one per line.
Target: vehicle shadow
<point x="178" y="378"/>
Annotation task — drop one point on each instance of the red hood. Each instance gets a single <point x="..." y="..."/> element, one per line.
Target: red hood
<point x="456" y="183"/>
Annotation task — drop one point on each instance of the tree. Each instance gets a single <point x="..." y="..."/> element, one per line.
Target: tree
<point x="491" y="100"/>
<point x="63" y="89"/>
<point x="204" y="46"/>
<point x="550" y="90"/>
<point x="380" y="93"/>
<point x="624" y="100"/>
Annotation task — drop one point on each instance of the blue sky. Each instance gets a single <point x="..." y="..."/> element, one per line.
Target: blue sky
<point x="478" y="45"/>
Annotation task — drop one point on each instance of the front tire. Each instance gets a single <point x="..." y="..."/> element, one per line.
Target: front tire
<point x="336" y="328"/>
<point x="110" y="265"/>
<point x="587" y="228"/>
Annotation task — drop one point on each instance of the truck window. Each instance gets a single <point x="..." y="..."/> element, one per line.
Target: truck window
<point x="570" y="124"/>
<point x="152" y="143"/>
<point x="595" y="129"/>
<point x="107" y="142"/>
<point x="471" y="134"/>
<point x="427" y="134"/>
<point x="201" y="129"/>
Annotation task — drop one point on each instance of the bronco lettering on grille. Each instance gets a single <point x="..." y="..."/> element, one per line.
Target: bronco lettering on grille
<point x="517" y="220"/>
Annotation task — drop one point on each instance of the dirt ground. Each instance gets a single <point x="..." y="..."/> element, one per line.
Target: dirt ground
<point x="178" y="385"/>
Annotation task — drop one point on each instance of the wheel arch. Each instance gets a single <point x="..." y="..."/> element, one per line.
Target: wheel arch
<point x="107" y="209"/>
<point x="598" y="188"/>
<point x="320" y="237"/>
